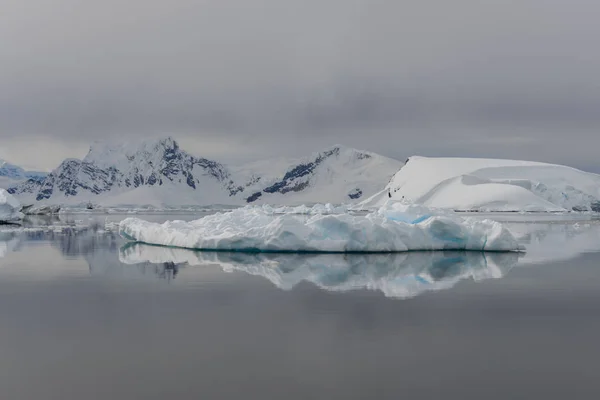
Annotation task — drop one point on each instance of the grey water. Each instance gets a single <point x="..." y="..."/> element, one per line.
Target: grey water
<point x="84" y="315"/>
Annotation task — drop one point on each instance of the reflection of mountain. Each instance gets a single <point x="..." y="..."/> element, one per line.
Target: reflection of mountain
<point x="399" y="275"/>
<point x="100" y="251"/>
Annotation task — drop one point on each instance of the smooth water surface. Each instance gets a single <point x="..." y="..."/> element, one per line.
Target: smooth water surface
<point x="84" y="315"/>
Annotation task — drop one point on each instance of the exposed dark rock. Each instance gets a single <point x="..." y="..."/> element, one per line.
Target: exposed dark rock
<point x="254" y="197"/>
<point x="74" y="177"/>
<point x="355" y="194"/>
<point x="287" y="184"/>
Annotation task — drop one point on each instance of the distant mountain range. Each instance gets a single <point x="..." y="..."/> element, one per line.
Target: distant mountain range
<point x="11" y="174"/>
<point x="160" y="173"/>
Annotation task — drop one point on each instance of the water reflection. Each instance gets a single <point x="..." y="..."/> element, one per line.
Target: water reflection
<point x="399" y="275"/>
<point x="97" y="247"/>
<point x="9" y="241"/>
<point x="395" y="275"/>
<point x="546" y="242"/>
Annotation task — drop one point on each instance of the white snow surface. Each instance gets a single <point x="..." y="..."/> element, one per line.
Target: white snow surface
<point x="398" y="275"/>
<point x="10" y="208"/>
<point x="344" y="171"/>
<point x="11" y="175"/>
<point x="395" y="227"/>
<point x="473" y="184"/>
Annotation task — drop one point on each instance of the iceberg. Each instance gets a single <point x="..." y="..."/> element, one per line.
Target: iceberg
<point x="10" y="208"/>
<point x="398" y="275"/>
<point x="395" y="227"/>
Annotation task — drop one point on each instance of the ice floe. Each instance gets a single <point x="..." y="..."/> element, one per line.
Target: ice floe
<point x="395" y="227"/>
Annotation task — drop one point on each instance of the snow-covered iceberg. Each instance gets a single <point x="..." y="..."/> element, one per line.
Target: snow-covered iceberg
<point x="398" y="275"/>
<point x="395" y="227"/>
<point x="474" y="184"/>
<point x="10" y="208"/>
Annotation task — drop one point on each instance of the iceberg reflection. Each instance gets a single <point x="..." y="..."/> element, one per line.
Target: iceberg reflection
<point x="398" y="275"/>
<point x="9" y="242"/>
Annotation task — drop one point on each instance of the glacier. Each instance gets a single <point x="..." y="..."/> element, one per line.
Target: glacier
<point x="478" y="184"/>
<point x="10" y="208"/>
<point x="398" y="275"/>
<point x="394" y="227"/>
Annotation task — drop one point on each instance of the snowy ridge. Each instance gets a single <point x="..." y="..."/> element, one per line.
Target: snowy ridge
<point x="119" y="170"/>
<point x="17" y="173"/>
<point x="472" y="184"/>
<point x="395" y="227"/>
<point x="11" y="175"/>
<point x="397" y="275"/>
<point x="159" y="173"/>
<point x="336" y="175"/>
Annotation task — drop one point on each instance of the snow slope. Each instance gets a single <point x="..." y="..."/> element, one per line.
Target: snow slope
<point x="472" y="184"/>
<point x="159" y="173"/>
<point x="392" y="228"/>
<point x="11" y="175"/>
<point x="336" y="175"/>
<point x="399" y="275"/>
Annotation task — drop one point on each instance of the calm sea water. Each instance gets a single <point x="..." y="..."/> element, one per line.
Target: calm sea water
<point x="85" y="316"/>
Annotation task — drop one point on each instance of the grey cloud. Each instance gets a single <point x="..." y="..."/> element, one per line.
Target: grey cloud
<point x="243" y="79"/>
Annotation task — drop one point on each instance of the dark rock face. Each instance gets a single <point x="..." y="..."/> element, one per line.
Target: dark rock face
<point x="254" y="197"/>
<point x="121" y="168"/>
<point x="233" y="189"/>
<point x="297" y="178"/>
<point x="594" y="207"/>
<point x="32" y="185"/>
<point x="355" y="194"/>
<point x="74" y="177"/>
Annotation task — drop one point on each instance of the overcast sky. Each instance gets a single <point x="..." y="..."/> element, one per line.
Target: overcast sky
<point x="240" y="80"/>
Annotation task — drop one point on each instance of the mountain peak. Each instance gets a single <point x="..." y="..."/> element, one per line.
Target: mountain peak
<point x="344" y="151"/>
<point x="114" y="154"/>
<point x="133" y="146"/>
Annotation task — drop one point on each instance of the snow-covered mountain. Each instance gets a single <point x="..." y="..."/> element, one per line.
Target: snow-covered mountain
<point x="11" y="174"/>
<point x="478" y="184"/>
<point x="160" y="173"/>
<point x="336" y="175"/>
